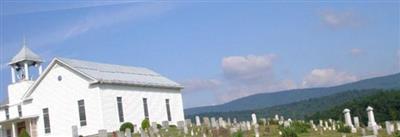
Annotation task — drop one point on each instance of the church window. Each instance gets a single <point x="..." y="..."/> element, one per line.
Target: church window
<point x="82" y="114"/>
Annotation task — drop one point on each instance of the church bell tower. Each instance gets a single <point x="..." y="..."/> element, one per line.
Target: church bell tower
<point x="21" y="76"/>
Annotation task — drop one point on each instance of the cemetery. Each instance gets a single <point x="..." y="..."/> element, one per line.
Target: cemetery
<point x="276" y="126"/>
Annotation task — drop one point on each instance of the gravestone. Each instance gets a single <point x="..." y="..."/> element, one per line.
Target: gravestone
<point x="371" y="117"/>
<point x="120" y="134"/>
<point x="356" y="122"/>
<point x="198" y="123"/>
<point x="363" y="132"/>
<point x="347" y="118"/>
<point x="75" y="131"/>
<point x="103" y="133"/>
<point x="180" y="125"/>
<point x="221" y="122"/>
<point x="188" y="123"/>
<point x="206" y="121"/>
<point x="234" y="121"/>
<point x="326" y="124"/>
<point x="256" y="132"/>
<point x="128" y="132"/>
<point x="229" y="122"/>
<point x="165" y="124"/>
<point x="213" y="122"/>
<point x="321" y="124"/>
<point x="375" y="130"/>
<point x="264" y="121"/>
<point x="254" y="119"/>
<point x="142" y="133"/>
<point x="389" y="127"/>
<point x="398" y="125"/>
<point x="276" y="117"/>
<point x="286" y="124"/>
<point x="248" y="125"/>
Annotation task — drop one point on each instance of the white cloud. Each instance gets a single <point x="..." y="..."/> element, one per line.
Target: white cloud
<point x="327" y="77"/>
<point x="200" y="85"/>
<point x="339" y="19"/>
<point x="356" y="51"/>
<point x="249" y="67"/>
<point x="248" y="75"/>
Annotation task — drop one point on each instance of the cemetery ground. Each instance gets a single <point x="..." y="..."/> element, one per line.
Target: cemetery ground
<point x="274" y="132"/>
<point x="264" y="130"/>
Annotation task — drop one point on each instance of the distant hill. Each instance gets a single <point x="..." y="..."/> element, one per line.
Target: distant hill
<point x="386" y="107"/>
<point x="264" y="100"/>
<point x="298" y="110"/>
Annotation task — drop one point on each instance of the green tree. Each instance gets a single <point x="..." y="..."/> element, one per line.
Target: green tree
<point x="23" y="133"/>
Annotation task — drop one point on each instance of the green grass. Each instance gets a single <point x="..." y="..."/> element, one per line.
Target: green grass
<point x="273" y="132"/>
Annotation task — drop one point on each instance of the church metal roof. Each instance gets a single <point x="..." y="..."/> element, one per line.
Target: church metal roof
<point x="117" y="74"/>
<point x="25" y="54"/>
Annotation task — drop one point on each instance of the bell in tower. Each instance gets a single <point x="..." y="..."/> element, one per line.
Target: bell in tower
<point x="21" y="63"/>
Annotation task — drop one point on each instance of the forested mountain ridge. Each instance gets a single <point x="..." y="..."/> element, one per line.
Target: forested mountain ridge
<point x="264" y="100"/>
<point x="302" y="109"/>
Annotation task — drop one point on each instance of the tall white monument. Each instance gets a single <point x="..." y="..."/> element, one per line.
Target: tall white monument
<point x="347" y="118"/>
<point x="254" y="119"/>
<point x="371" y="117"/>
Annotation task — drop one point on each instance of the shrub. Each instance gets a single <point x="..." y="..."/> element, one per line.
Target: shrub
<point x="145" y="123"/>
<point x="274" y="122"/>
<point x="172" y="126"/>
<point x="125" y="126"/>
<point x="300" y="127"/>
<point x="344" y="129"/>
<point x="23" y="133"/>
<point x="159" y="126"/>
<point x="238" y="134"/>
<point x="288" y="132"/>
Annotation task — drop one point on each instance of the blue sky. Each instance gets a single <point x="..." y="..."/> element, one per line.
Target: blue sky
<point x="218" y="50"/>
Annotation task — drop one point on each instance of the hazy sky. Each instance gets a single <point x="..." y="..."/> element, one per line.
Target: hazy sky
<point x="218" y="50"/>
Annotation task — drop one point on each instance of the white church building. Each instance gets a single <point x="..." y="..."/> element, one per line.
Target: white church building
<point x="83" y="95"/>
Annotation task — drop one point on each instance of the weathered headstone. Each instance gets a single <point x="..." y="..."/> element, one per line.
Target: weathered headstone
<point x="371" y="117"/>
<point x="248" y="125"/>
<point x="363" y="132"/>
<point x="326" y="124"/>
<point x="389" y="127"/>
<point x="128" y="132"/>
<point x="198" y="123"/>
<point x="234" y="121"/>
<point x="206" y="121"/>
<point x="398" y="125"/>
<point x="276" y="117"/>
<point x="221" y="122"/>
<point x="356" y="122"/>
<point x="286" y="124"/>
<point x="142" y="133"/>
<point x="254" y="118"/>
<point x="180" y="125"/>
<point x="321" y="124"/>
<point x="375" y="130"/>
<point x="75" y="131"/>
<point x="188" y="123"/>
<point x="103" y="133"/>
<point x="347" y="118"/>
<point x="120" y="134"/>
<point x="165" y="124"/>
<point x="229" y="122"/>
<point x="213" y="122"/>
<point x="256" y="132"/>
